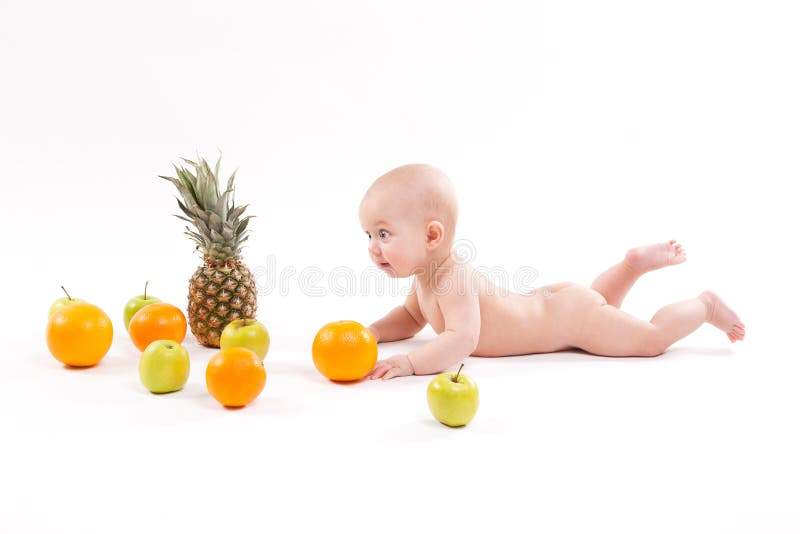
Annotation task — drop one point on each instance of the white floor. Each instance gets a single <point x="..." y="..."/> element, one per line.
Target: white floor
<point x="701" y="439"/>
<point x="572" y="131"/>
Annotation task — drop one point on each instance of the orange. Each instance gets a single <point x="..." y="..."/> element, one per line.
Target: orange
<point x="157" y="321"/>
<point x="344" y="351"/>
<point x="235" y="376"/>
<point x="79" y="334"/>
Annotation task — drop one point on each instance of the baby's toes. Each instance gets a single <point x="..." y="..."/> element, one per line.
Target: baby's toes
<point x="737" y="332"/>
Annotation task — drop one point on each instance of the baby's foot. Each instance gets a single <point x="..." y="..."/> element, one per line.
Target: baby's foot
<point x="721" y="316"/>
<point x="652" y="257"/>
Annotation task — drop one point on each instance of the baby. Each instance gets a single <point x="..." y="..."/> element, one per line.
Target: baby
<point x="410" y="214"/>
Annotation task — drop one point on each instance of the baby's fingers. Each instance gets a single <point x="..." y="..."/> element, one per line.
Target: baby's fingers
<point x="379" y="370"/>
<point x="391" y="373"/>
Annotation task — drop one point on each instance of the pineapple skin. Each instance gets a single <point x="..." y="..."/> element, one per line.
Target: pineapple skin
<point x="219" y="294"/>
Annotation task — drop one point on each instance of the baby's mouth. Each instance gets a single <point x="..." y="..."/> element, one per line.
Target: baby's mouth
<point x="384" y="265"/>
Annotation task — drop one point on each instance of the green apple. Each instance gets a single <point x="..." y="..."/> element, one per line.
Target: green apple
<point x="164" y="366"/>
<point x="247" y="333"/>
<point x="453" y="398"/>
<point x="137" y="303"/>
<point x="63" y="301"/>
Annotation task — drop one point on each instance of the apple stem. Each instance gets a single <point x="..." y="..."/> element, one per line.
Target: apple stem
<point x="65" y="291"/>
<point x="455" y="378"/>
<point x="145" y="289"/>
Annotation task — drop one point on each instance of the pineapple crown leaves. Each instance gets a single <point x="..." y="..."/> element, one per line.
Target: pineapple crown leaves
<point x="219" y="226"/>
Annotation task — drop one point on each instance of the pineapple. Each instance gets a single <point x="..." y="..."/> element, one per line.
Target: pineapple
<point x="222" y="289"/>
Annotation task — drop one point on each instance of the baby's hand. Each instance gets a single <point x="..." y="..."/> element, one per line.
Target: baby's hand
<point x="398" y="365"/>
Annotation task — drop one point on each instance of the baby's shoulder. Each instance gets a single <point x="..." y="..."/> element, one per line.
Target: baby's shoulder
<point x="459" y="277"/>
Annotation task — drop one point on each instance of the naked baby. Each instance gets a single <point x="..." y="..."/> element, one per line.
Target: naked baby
<point x="410" y="215"/>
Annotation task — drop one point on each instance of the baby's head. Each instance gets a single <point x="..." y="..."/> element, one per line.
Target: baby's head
<point x="409" y="215"/>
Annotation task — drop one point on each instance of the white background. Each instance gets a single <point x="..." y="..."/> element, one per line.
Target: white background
<point x="572" y="131"/>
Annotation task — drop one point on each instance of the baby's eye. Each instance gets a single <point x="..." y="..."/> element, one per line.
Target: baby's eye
<point x="368" y="235"/>
<point x="383" y="234"/>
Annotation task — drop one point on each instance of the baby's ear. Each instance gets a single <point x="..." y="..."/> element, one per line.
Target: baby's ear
<point x="434" y="234"/>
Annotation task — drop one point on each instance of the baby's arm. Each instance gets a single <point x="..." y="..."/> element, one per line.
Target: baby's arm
<point x="402" y="322"/>
<point x="462" y="325"/>
<point x="459" y="339"/>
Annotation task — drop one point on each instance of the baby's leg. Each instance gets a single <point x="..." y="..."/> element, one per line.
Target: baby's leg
<point x="608" y="331"/>
<point x="615" y="283"/>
